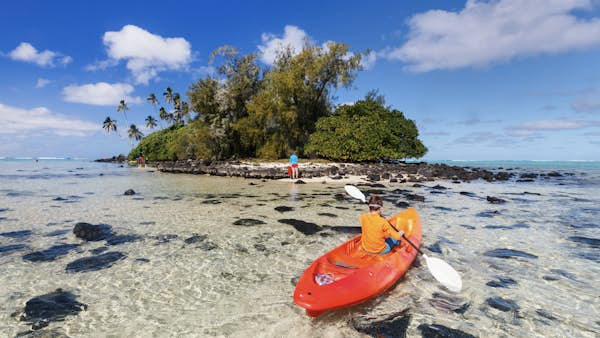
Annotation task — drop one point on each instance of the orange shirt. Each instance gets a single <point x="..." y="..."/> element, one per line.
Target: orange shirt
<point x="375" y="229"/>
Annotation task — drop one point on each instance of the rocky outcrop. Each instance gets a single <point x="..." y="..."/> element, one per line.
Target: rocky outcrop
<point x="115" y="159"/>
<point x="399" y="172"/>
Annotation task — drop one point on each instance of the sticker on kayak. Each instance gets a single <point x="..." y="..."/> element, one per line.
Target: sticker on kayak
<point x="324" y="278"/>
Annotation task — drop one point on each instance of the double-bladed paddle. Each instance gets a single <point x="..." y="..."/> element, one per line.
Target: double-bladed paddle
<point x="442" y="271"/>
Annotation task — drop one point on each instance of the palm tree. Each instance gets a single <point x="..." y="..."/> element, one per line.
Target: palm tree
<point x="110" y="125"/>
<point x="150" y="122"/>
<point x="134" y="134"/>
<point x="168" y="94"/>
<point x="154" y="102"/>
<point x="124" y="108"/>
<point x="164" y="115"/>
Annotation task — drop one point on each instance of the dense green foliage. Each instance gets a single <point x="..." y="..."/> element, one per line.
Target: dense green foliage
<point x="248" y="111"/>
<point x="366" y="131"/>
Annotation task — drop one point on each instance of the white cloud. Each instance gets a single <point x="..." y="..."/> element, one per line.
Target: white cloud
<point x="532" y="127"/>
<point x="484" y="32"/>
<point x="41" y="83"/>
<point x="100" y="94"/>
<point x="40" y="120"/>
<point x="146" y="54"/>
<point x="293" y="37"/>
<point x="368" y="61"/>
<point x="27" y="53"/>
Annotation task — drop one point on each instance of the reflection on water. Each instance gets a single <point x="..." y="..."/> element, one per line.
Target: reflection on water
<point x="211" y="257"/>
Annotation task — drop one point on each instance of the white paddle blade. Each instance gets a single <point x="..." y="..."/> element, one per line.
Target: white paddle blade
<point x="444" y="273"/>
<point x="355" y="192"/>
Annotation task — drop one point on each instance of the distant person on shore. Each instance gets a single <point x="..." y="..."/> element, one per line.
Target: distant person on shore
<point x="378" y="236"/>
<point x="294" y="165"/>
<point x="141" y="162"/>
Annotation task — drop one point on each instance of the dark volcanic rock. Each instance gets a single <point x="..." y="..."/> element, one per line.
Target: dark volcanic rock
<point x="16" y="234"/>
<point x="413" y="197"/>
<point x="53" y="333"/>
<point x="248" y="222"/>
<point x="502" y="282"/>
<point x="40" y="311"/>
<point x="51" y="253"/>
<point x="508" y="253"/>
<point x="449" y="303"/>
<point x="502" y="304"/>
<point x="94" y="263"/>
<point x="327" y="214"/>
<point x="12" y="248"/>
<point x="122" y="239"/>
<point x="488" y="214"/>
<point x="467" y="193"/>
<point x="346" y="229"/>
<point x="440" y="331"/>
<point x="283" y="208"/>
<point x="195" y="239"/>
<point x="545" y="314"/>
<point x="129" y="192"/>
<point x="587" y="241"/>
<point x="92" y="232"/>
<point x="495" y="200"/>
<point x="302" y="226"/>
<point x="208" y="245"/>
<point x="435" y="247"/>
<point x="394" y="325"/>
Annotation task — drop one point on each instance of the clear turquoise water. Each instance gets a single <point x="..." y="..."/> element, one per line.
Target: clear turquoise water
<point x="243" y="286"/>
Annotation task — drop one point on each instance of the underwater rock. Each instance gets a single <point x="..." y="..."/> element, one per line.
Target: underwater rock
<point x="208" y="246"/>
<point x="327" y="214"/>
<point x="129" y="192"/>
<point x="502" y="282"/>
<point x="346" y="229"/>
<point x="306" y="228"/>
<point x="495" y="200"/>
<point x="16" y="234"/>
<point x="122" y="239"/>
<point x="488" y="214"/>
<point x="99" y="250"/>
<point x="440" y="331"/>
<point x="56" y="233"/>
<point x="51" y="253"/>
<point x="439" y="187"/>
<point x="166" y="238"/>
<point x="92" y="232"/>
<point x="394" y="325"/>
<point x="55" y="306"/>
<point x="402" y="204"/>
<point x="53" y="333"/>
<point x="587" y="241"/>
<point x="467" y="193"/>
<point x="248" y="222"/>
<point x="545" y="314"/>
<point x="449" y="303"/>
<point x="12" y="248"/>
<point x="502" y="304"/>
<point x="414" y="197"/>
<point x="508" y="253"/>
<point x="283" y="208"/>
<point x="435" y="247"/>
<point x="95" y="263"/>
<point x="195" y="239"/>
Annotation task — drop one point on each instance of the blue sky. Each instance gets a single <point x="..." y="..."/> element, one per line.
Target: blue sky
<point x="484" y="80"/>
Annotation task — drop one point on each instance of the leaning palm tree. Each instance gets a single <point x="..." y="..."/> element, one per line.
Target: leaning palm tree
<point x="154" y="102"/>
<point x="150" y="122"/>
<point x="134" y="134"/>
<point x="110" y="125"/>
<point x="168" y="94"/>
<point x="124" y="108"/>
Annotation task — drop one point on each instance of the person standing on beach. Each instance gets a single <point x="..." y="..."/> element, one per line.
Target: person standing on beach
<point x="378" y="236"/>
<point x="294" y="165"/>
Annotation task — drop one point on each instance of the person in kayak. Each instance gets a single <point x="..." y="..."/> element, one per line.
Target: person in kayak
<point x="378" y="236"/>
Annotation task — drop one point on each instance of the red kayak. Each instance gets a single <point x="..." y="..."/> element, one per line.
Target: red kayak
<point x="348" y="275"/>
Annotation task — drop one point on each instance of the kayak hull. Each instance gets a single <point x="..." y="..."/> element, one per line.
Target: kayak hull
<point x="347" y="275"/>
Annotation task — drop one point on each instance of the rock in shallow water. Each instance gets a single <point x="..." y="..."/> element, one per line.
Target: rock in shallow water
<point x="502" y="304"/>
<point x="248" y="222"/>
<point x="40" y="311"/>
<point x="447" y="302"/>
<point x="92" y="232"/>
<point x="440" y="331"/>
<point x="12" y="248"/>
<point x="51" y="253"/>
<point x="502" y="282"/>
<point x="95" y="263"/>
<point x="302" y="226"/>
<point x="16" y="234"/>
<point x="508" y="253"/>
<point x="394" y="325"/>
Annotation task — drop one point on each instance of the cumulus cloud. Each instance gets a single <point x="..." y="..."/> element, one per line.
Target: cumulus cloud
<point x="41" y="83"/>
<point x="485" y="32"/>
<point x="368" y="61"/>
<point x="40" y="120"/>
<point x="533" y="127"/>
<point x="100" y="94"/>
<point x="146" y="54"/>
<point x="293" y="38"/>
<point x="27" y="53"/>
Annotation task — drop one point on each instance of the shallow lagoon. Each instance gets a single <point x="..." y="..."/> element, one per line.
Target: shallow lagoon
<point x="189" y="270"/>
